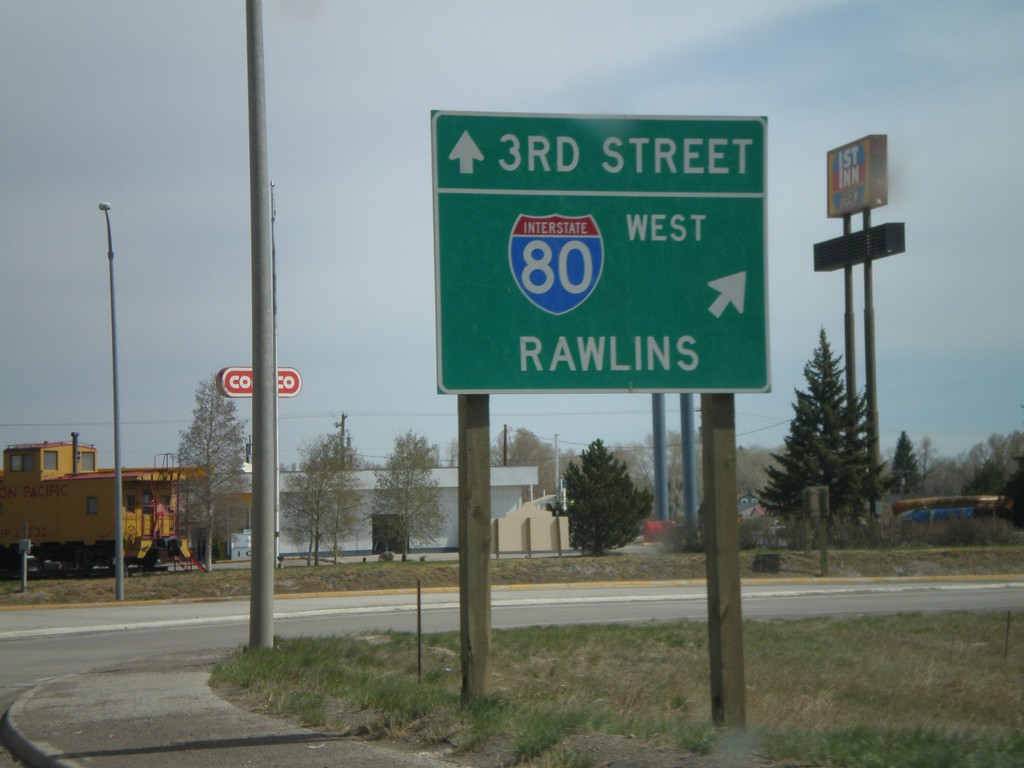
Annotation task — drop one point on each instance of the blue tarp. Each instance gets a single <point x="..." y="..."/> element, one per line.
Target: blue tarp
<point x="940" y="515"/>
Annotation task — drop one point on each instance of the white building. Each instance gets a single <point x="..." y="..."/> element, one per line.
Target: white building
<point x="508" y="485"/>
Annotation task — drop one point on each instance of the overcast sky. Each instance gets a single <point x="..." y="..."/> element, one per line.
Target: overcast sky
<point x="143" y="105"/>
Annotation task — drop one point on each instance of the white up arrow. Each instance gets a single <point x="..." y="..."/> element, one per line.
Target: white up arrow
<point x="731" y="290"/>
<point x="466" y="152"/>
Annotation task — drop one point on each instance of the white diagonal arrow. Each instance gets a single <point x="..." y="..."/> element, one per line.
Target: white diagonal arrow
<point x="731" y="290"/>
<point x="466" y="152"/>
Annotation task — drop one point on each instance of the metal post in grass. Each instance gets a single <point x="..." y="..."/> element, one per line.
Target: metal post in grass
<point x="24" y="547"/>
<point x="823" y="513"/>
<point x="816" y="509"/>
<point x="419" y="630"/>
<point x="1006" y="642"/>
<point x="475" y="545"/>
<point x="721" y="521"/>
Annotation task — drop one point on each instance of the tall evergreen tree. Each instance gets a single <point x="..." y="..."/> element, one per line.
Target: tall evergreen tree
<point x="605" y="508"/>
<point x="827" y="443"/>
<point x="1015" y="490"/>
<point x="905" y="469"/>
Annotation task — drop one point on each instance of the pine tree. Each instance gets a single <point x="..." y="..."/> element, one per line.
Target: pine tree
<point x="1015" y="490"/>
<point x="605" y="508"/>
<point x="905" y="469"/>
<point x="827" y="443"/>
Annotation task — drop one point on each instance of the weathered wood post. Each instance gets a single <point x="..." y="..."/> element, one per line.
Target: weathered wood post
<point x="475" y="545"/>
<point x="721" y="524"/>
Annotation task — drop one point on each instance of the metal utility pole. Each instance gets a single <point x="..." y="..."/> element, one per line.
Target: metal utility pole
<point x="849" y="318"/>
<point x="261" y="604"/>
<point x="277" y="400"/>
<point x="688" y="436"/>
<point x="660" y="479"/>
<point x="558" y="476"/>
<point x="344" y="440"/>
<point x="871" y="379"/>
<point x="118" y="512"/>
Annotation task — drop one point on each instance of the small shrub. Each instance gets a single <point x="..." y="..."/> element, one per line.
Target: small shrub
<point x="955" y="533"/>
<point x="760" y="533"/>
<point x="859" y="534"/>
<point x="754" y="533"/>
<point x="686" y="536"/>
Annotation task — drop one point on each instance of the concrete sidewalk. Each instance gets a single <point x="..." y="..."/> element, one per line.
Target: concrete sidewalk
<point x="161" y="712"/>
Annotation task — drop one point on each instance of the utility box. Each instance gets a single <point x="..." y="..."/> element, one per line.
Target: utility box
<point x="240" y="547"/>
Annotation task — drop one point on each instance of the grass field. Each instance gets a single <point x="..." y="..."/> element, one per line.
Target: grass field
<point x="909" y="690"/>
<point x="914" y="690"/>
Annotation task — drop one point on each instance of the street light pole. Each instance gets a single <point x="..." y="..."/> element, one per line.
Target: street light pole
<point x="118" y="513"/>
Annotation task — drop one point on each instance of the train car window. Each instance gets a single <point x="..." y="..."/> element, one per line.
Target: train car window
<point x="23" y="462"/>
<point x="49" y="459"/>
<point x="92" y="505"/>
<point x="130" y="504"/>
<point x="88" y="462"/>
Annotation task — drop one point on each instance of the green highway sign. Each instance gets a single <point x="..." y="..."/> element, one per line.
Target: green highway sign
<point x="600" y="254"/>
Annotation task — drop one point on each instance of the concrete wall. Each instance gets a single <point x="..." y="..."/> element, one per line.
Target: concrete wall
<point x="530" y="529"/>
<point x="507" y="488"/>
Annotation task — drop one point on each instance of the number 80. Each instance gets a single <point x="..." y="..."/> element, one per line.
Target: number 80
<point x="538" y="276"/>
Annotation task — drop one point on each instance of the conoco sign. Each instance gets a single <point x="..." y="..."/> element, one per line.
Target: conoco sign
<point x="237" y="382"/>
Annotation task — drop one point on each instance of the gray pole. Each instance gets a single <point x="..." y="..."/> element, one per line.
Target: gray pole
<point x="261" y="603"/>
<point x="660" y="481"/>
<point x="277" y="399"/>
<point x="558" y="476"/>
<point x="851" y="338"/>
<point x="871" y="379"/>
<point x="118" y="512"/>
<point x="688" y="433"/>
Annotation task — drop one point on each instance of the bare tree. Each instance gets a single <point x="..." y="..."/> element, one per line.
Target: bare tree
<point x="406" y="507"/>
<point x="525" y="449"/>
<point x="927" y="456"/>
<point x="451" y="453"/>
<point x="639" y="461"/>
<point x="988" y="465"/>
<point x="752" y="464"/>
<point x="320" y="502"/>
<point x="214" y="446"/>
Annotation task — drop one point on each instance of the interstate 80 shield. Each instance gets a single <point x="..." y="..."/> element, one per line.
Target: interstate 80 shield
<point x="556" y="260"/>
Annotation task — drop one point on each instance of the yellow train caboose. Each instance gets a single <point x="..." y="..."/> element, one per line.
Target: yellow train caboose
<point x="55" y="495"/>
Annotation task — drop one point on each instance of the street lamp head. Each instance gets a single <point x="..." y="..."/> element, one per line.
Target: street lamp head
<point x="104" y="206"/>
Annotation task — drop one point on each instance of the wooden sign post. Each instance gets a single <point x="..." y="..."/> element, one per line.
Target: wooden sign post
<point x="475" y="544"/>
<point x="721" y="521"/>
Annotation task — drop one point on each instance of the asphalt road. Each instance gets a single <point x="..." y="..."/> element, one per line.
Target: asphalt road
<point x="43" y="643"/>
